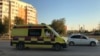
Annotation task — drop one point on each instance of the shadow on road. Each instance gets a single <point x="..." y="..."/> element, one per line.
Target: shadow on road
<point x="38" y="49"/>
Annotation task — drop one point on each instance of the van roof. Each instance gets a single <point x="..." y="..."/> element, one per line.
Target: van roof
<point x="30" y="26"/>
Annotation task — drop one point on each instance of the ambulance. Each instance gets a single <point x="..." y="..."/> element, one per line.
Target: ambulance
<point x="34" y="36"/>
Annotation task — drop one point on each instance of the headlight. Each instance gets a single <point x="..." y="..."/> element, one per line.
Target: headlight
<point x="97" y="41"/>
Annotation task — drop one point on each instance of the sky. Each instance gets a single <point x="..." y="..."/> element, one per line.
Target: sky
<point x="76" y="12"/>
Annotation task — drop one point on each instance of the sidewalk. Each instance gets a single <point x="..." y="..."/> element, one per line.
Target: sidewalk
<point x="4" y="38"/>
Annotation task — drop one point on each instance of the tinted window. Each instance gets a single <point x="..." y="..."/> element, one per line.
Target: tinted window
<point x="34" y="32"/>
<point x="76" y="36"/>
<point x="84" y="37"/>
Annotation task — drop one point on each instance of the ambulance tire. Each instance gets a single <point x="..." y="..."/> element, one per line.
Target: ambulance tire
<point x="57" y="47"/>
<point x="20" y="46"/>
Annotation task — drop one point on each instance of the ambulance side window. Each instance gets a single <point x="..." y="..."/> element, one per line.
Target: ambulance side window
<point x="47" y="32"/>
<point x="34" y="32"/>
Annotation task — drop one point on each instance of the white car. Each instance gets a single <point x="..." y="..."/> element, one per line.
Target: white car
<point x="79" y="39"/>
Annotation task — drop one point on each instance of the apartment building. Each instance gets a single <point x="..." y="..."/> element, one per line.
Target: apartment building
<point x="17" y="8"/>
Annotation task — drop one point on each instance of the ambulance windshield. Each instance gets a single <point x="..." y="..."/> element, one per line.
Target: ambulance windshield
<point x="54" y="31"/>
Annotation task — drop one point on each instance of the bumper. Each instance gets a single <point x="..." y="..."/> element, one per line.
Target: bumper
<point x="97" y="43"/>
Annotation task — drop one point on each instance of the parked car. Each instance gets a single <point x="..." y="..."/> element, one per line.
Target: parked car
<point x="80" y="39"/>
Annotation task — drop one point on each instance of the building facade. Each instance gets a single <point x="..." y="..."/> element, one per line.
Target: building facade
<point x="17" y="8"/>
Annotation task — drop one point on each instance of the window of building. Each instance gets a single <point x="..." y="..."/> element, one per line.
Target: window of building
<point x="0" y="11"/>
<point x="13" y="5"/>
<point x="0" y="7"/>
<point x="7" y="4"/>
<point x="0" y="3"/>
<point x="1" y="0"/>
<point x="0" y="15"/>
<point x="34" y="32"/>
<point x="12" y="2"/>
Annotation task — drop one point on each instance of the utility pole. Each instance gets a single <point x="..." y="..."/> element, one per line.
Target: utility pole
<point x="9" y="19"/>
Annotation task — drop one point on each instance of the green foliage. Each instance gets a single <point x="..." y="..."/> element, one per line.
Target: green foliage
<point x="42" y="23"/>
<point x="6" y="24"/>
<point x="1" y="27"/>
<point x="59" y="26"/>
<point x="18" y="21"/>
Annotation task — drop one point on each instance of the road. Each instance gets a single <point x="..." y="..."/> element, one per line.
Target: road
<point x="7" y="50"/>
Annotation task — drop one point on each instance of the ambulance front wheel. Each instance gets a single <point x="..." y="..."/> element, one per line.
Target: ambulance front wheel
<point x="57" y="47"/>
<point x="20" y="46"/>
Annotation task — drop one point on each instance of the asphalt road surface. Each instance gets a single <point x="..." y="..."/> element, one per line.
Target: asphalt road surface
<point x="7" y="50"/>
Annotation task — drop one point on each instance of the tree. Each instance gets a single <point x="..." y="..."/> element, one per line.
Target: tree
<point x="42" y="23"/>
<point x="59" y="26"/>
<point x="18" y="21"/>
<point x="1" y="27"/>
<point x="6" y="23"/>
